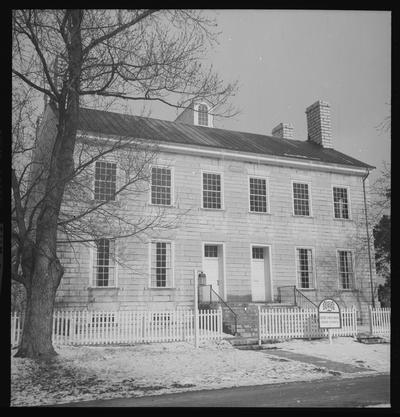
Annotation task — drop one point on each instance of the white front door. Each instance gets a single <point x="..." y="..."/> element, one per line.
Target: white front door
<point x="211" y="267"/>
<point x="260" y="285"/>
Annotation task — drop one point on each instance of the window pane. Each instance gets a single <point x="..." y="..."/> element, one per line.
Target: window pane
<point x="346" y="274"/>
<point x="104" y="265"/>
<point x="161" y="186"/>
<point x="340" y="202"/>
<point x="258" y="253"/>
<point x="211" y="191"/>
<point x="203" y="115"/>
<point x="305" y="268"/>
<point x="161" y="271"/>
<point x="105" y="181"/>
<point x="301" y="199"/>
<point x="258" y="195"/>
<point x="211" y="251"/>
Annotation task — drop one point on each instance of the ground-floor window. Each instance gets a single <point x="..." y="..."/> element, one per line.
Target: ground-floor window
<point x="104" y="263"/>
<point x="346" y="274"/>
<point x="161" y="265"/>
<point x="305" y="272"/>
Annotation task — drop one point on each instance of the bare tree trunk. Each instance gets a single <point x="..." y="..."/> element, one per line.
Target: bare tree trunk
<point x="37" y="332"/>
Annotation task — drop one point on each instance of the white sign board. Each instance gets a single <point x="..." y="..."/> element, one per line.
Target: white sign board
<point x="329" y="314"/>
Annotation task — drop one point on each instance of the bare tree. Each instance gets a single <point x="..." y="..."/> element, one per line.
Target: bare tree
<point x="87" y="57"/>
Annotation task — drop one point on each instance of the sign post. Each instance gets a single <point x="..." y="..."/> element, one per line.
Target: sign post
<point x="196" y="309"/>
<point x="329" y="316"/>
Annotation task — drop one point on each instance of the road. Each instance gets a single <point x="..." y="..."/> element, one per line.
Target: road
<point x="335" y="392"/>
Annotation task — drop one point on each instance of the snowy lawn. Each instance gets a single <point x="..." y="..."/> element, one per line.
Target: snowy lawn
<point x="86" y="373"/>
<point x="344" y="349"/>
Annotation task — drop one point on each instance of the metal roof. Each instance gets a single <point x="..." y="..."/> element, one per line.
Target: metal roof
<point x="162" y="131"/>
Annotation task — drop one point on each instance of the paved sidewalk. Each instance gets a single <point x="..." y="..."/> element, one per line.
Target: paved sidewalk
<point x="313" y="360"/>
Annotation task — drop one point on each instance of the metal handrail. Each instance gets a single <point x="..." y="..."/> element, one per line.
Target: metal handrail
<point x="302" y="295"/>
<point x="296" y="292"/>
<point x="234" y="314"/>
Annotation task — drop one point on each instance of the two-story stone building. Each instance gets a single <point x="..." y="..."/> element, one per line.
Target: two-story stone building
<point x="261" y="212"/>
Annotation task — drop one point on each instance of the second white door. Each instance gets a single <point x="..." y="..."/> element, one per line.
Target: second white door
<point x="211" y="266"/>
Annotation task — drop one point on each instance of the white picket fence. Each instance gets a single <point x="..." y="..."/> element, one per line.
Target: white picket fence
<point x="380" y="318"/>
<point x="286" y="323"/>
<point x="127" y="327"/>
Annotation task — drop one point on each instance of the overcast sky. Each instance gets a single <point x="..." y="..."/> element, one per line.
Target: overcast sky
<point x="286" y="60"/>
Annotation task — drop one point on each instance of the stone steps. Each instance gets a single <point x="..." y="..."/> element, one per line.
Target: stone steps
<point x="249" y="343"/>
<point x="247" y="317"/>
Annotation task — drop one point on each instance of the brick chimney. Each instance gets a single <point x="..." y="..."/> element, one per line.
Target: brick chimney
<point x="283" y="130"/>
<point x="319" y="123"/>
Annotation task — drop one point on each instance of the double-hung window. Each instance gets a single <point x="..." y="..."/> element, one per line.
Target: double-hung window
<point x="301" y="199"/>
<point x="340" y="203"/>
<point x="258" y="195"/>
<point x="161" y="265"/>
<point x="161" y="186"/>
<point x="305" y="270"/>
<point x="212" y="191"/>
<point x="104" y="271"/>
<point x="346" y="273"/>
<point x="105" y="181"/>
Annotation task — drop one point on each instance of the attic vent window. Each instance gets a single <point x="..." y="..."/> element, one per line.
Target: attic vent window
<point x="203" y="115"/>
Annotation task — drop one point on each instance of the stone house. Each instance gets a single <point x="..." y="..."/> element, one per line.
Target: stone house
<point x="264" y="215"/>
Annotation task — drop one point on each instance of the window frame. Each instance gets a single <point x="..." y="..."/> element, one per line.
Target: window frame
<point x="210" y="245"/>
<point x="92" y="272"/>
<point x="314" y="272"/>
<point x="353" y="281"/>
<point x="266" y="194"/>
<point x="172" y="185"/>
<point x="309" y="198"/>
<point x="347" y="188"/>
<point x="117" y="181"/>
<point x="221" y="174"/>
<point x="172" y="263"/>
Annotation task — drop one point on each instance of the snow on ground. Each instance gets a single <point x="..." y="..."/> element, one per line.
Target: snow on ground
<point x="86" y="373"/>
<point x="345" y="350"/>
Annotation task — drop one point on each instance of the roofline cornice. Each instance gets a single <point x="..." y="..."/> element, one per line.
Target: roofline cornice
<point x="242" y="156"/>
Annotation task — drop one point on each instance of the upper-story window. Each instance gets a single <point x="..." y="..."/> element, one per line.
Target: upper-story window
<point x="340" y="203"/>
<point x="203" y="115"/>
<point x="161" y="264"/>
<point x="105" y="181"/>
<point x="305" y="271"/>
<point x="301" y="199"/>
<point x="346" y="274"/>
<point x="258" y="195"/>
<point x="104" y="263"/>
<point x="161" y="186"/>
<point x="212" y="191"/>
